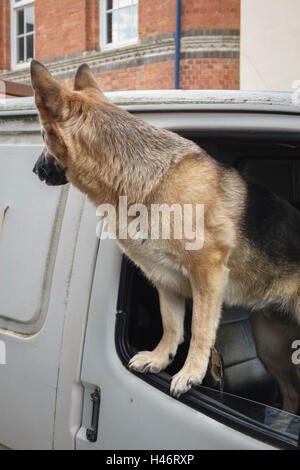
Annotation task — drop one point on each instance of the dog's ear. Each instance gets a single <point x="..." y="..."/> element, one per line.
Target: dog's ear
<point x="47" y="91"/>
<point x="85" y="79"/>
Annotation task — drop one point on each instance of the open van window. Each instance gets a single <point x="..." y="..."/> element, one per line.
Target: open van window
<point x="249" y="399"/>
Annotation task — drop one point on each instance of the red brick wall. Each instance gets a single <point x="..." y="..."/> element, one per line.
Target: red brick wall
<point x="92" y="25"/>
<point x="156" y="17"/>
<point x="210" y="14"/>
<point x="65" y="27"/>
<point x="195" y="74"/>
<point x="215" y="74"/>
<point x="153" y="76"/>
<point x="69" y="26"/>
<point x="159" y="17"/>
<point x="4" y="34"/>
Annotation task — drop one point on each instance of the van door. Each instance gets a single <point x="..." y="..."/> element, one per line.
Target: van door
<point x="38" y="235"/>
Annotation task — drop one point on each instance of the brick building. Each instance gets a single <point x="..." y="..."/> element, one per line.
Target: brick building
<point x="129" y="44"/>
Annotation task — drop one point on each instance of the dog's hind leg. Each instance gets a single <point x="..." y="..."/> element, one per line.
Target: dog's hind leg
<point x="172" y="309"/>
<point x="274" y="335"/>
<point x="208" y="281"/>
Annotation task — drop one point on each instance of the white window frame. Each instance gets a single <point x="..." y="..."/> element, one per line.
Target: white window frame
<point x="14" y="7"/>
<point x="103" y="30"/>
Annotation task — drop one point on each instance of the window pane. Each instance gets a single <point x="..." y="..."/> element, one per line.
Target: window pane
<point x="124" y="3"/>
<point x="29" y="19"/>
<point x="111" y="4"/>
<point x="20" y="22"/>
<point x="134" y="21"/>
<point x="125" y="25"/>
<point x="115" y="22"/>
<point x="20" y="49"/>
<point x="112" y="27"/>
<point x="29" y="46"/>
<point x="122" y="23"/>
<point x="109" y="28"/>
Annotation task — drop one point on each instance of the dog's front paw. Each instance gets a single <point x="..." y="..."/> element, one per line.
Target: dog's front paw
<point x="149" y="361"/>
<point x="183" y="381"/>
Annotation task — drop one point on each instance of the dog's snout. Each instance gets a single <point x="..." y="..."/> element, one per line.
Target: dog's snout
<point x="48" y="170"/>
<point x="39" y="168"/>
<point x="36" y="166"/>
<point x="35" y="169"/>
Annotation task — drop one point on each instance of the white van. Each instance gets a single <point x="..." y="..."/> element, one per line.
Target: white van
<point x="73" y="311"/>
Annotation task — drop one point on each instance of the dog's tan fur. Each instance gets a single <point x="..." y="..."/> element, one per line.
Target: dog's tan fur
<point x="108" y="153"/>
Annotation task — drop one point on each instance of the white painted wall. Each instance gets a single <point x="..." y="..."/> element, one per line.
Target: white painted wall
<point x="270" y="44"/>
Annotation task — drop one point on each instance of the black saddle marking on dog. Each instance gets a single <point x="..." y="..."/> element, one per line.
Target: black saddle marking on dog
<point x="272" y="224"/>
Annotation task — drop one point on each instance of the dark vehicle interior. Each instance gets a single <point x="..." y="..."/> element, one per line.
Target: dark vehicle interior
<point x="274" y="161"/>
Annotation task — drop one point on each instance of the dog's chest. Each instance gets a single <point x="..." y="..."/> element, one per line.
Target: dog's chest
<point x="160" y="266"/>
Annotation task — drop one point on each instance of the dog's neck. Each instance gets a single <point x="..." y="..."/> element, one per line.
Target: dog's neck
<point x="126" y="156"/>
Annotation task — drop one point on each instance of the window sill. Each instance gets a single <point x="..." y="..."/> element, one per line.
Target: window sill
<point x="116" y="46"/>
<point x="17" y="67"/>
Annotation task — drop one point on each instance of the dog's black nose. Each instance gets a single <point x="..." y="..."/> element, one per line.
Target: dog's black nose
<point x="35" y="168"/>
<point x="48" y="170"/>
<point x="40" y="171"/>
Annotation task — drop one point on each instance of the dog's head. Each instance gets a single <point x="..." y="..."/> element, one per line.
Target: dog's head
<point x="62" y="115"/>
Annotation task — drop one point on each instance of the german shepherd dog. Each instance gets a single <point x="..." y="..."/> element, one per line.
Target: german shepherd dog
<point x="251" y="250"/>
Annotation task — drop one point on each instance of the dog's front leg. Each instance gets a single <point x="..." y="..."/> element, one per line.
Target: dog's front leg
<point x="208" y="285"/>
<point x="172" y="308"/>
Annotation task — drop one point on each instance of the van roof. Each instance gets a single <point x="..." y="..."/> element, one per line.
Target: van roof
<point x="172" y="100"/>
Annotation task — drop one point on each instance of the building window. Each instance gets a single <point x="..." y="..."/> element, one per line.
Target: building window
<point x="119" y="21"/>
<point x="22" y="31"/>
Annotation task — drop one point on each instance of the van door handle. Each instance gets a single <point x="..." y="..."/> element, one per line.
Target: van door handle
<point x="92" y="432"/>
